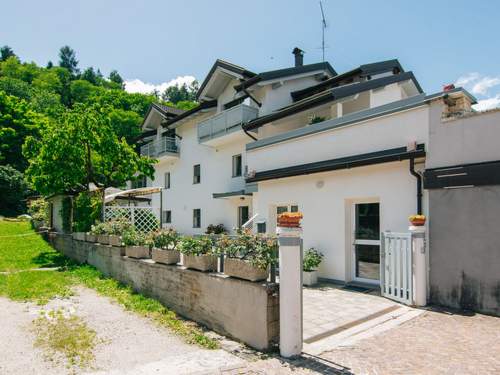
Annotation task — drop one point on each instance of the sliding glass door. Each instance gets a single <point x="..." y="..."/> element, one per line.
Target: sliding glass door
<point x="366" y="242"/>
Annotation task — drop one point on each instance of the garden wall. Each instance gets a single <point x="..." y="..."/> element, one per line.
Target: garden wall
<point x="236" y="308"/>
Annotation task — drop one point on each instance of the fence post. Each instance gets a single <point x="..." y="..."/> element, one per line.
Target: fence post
<point x="290" y="261"/>
<point x="419" y="265"/>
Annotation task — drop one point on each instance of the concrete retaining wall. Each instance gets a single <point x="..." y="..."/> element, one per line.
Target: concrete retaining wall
<point x="236" y="308"/>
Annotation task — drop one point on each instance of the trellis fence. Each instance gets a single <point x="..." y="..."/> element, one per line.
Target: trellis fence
<point x="143" y="218"/>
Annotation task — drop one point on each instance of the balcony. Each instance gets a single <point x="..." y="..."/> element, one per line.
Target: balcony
<point x="225" y="123"/>
<point x="164" y="147"/>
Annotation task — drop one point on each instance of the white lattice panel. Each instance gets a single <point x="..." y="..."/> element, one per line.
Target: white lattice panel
<point x="143" y="218"/>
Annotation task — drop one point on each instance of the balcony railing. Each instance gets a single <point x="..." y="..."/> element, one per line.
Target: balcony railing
<point x="226" y="122"/>
<point x="159" y="147"/>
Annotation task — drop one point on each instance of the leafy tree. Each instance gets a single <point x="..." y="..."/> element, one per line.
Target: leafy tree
<point x="17" y="121"/>
<point x="186" y="105"/>
<point x="15" y="87"/>
<point x="46" y="102"/>
<point x="50" y="65"/>
<point x="81" y="90"/>
<point x="6" y="52"/>
<point x="91" y="76"/>
<point x="80" y="149"/>
<point x="116" y="78"/>
<point x="48" y="80"/>
<point x="13" y="191"/>
<point x="67" y="59"/>
<point x="177" y="93"/>
<point x="126" y="124"/>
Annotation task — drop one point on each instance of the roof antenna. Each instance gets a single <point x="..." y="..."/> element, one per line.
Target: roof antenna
<point x="323" y="27"/>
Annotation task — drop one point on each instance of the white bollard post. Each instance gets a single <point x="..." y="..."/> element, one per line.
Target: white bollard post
<point x="290" y="279"/>
<point x="419" y="265"/>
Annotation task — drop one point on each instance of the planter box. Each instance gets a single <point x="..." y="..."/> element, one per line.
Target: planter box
<point x="165" y="256"/>
<point x="309" y="278"/>
<point x="79" y="236"/>
<point x="103" y="239"/>
<point x="115" y="240"/>
<point x="200" y="262"/>
<point x="139" y="252"/>
<point x="90" y="237"/>
<point x="243" y="270"/>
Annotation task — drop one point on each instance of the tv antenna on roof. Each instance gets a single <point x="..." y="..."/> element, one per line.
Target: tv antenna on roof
<point x="323" y="27"/>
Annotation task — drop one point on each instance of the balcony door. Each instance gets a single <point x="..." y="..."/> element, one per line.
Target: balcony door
<point x="366" y="242"/>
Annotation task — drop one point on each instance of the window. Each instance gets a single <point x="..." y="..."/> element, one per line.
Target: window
<point x="196" y="174"/>
<point x="197" y="218"/>
<point x="243" y="215"/>
<point x="261" y="227"/>
<point x="167" y="180"/>
<point x="237" y="165"/>
<point x="167" y="217"/>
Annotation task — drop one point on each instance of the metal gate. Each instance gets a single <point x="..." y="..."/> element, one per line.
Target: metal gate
<point x="396" y="277"/>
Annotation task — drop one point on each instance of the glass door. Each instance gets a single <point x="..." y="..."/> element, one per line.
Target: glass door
<point x="366" y="244"/>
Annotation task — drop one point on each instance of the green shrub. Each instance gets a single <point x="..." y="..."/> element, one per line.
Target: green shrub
<point x="260" y="251"/>
<point x="216" y="229"/>
<point x="87" y="209"/>
<point x="99" y="228"/>
<point x="39" y="210"/>
<point x="133" y="237"/>
<point x="196" y="246"/>
<point x="119" y="226"/>
<point x="312" y="260"/>
<point x="13" y="191"/>
<point x="166" y="239"/>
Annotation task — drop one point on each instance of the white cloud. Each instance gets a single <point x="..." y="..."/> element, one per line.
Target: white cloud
<point x="136" y="85"/>
<point x="477" y="83"/>
<point x="466" y="79"/>
<point x="489" y="103"/>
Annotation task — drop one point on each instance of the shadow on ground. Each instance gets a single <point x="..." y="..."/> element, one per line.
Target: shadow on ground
<point x="48" y="259"/>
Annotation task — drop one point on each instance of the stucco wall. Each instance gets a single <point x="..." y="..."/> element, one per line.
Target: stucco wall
<point x="240" y="309"/>
<point x="465" y="248"/>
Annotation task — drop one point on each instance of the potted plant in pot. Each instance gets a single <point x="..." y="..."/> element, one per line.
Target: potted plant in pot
<point x="165" y="247"/>
<point x="248" y="256"/>
<point x="115" y="230"/>
<point x="417" y="220"/>
<point x="290" y="219"/>
<point x="312" y="260"/>
<point x="136" y="244"/>
<point x="198" y="253"/>
<point x="100" y="231"/>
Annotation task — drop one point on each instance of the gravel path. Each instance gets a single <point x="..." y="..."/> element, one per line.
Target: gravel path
<point x="131" y="344"/>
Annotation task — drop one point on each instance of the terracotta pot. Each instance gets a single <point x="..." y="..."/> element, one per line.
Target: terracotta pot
<point x="200" y="262"/>
<point x="115" y="240"/>
<point x="79" y="236"/>
<point x="165" y="256"/>
<point x="139" y="252"/>
<point x="103" y="239"/>
<point x="242" y="269"/>
<point x="417" y="222"/>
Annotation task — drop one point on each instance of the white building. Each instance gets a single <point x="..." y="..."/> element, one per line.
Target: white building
<point x="344" y="149"/>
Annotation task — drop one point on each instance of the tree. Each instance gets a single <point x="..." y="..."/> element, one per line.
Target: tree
<point x="17" y="121"/>
<point x="80" y="149"/>
<point x="126" y="124"/>
<point x="67" y="59"/>
<point x="50" y="65"/>
<point x="91" y="76"/>
<point x="175" y="94"/>
<point x="116" y="78"/>
<point x="6" y="52"/>
<point x="13" y="191"/>
<point x="81" y="90"/>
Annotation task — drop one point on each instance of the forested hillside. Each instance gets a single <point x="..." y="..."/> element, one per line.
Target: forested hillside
<point x="35" y="99"/>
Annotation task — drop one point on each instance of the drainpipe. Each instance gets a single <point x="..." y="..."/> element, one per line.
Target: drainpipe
<point x="419" y="185"/>
<point x="250" y="135"/>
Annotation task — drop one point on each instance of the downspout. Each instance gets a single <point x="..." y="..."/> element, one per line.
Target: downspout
<point x="250" y="135"/>
<point x="419" y="185"/>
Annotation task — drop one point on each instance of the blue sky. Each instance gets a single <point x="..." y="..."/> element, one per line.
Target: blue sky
<point x="154" y="41"/>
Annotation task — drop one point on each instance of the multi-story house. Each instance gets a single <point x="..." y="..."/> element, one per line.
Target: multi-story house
<point x="346" y="150"/>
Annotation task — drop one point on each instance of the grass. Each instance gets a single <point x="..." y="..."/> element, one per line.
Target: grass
<point x="22" y="249"/>
<point x="65" y="335"/>
<point x="41" y="286"/>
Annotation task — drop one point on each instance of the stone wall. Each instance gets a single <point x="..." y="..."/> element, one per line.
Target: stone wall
<point x="240" y="309"/>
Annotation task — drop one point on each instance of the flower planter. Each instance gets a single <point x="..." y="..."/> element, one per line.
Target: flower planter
<point x="90" y="237"/>
<point x="418" y="223"/>
<point x="289" y="219"/>
<point x="309" y="278"/>
<point x="103" y="239"/>
<point x="200" y="262"/>
<point x="139" y="252"/>
<point x="244" y="270"/>
<point x="79" y="236"/>
<point x="165" y="256"/>
<point x="115" y="240"/>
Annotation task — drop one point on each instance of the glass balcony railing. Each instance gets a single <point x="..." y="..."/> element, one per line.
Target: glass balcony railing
<point x="156" y="148"/>
<point x="226" y="122"/>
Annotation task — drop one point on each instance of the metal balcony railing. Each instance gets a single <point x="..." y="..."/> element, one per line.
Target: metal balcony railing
<point x="159" y="147"/>
<point x="226" y="122"/>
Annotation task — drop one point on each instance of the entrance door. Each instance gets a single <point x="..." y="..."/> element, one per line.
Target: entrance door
<point x="366" y="244"/>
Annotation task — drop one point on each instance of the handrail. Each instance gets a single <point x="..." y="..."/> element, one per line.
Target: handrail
<point x="246" y="224"/>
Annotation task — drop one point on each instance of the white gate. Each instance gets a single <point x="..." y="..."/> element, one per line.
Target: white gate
<point x="396" y="278"/>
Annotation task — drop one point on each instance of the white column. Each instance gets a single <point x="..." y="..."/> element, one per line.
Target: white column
<point x="419" y="265"/>
<point x="290" y="279"/>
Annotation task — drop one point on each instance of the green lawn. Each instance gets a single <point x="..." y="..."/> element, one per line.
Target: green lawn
<point x="21" y="253"/>
<point x="22" y="249"/>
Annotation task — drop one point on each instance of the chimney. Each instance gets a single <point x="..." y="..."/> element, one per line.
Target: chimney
<point x="299" y="56"/>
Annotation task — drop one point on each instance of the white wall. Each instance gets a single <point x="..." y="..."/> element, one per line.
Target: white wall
<point x="216" y="177"/>
<point x="382" y="133"/>
<point x="388" y="94"/>
<point x="326" y="209"/>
